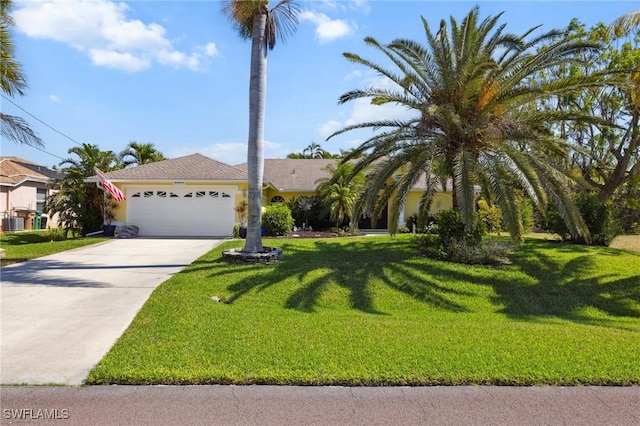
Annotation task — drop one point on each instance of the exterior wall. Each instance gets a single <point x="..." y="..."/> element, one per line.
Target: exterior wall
<point x="24" y="197"/>
<point x="441" y="201"/>
<point x="269" y="193"/>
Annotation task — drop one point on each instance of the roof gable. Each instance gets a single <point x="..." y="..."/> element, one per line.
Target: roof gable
<point x="190" y="167"/>
<point x="14" y="170"/>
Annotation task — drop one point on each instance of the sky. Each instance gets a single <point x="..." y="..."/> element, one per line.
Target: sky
<point x="176" y="73"/>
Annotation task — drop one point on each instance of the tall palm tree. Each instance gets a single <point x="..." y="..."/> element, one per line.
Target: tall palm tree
<point x="13" y="83"/>
<point x="472" y="89"/>
<point x="253" y="19"/>
<point x="625" y="23"/>
<point x="314" y="150"/>
<point x="80" y="204"/>
<point x="136" y="154"/>
<point x="341" y="191"/>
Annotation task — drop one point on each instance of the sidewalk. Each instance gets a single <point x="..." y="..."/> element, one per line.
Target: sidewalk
<point x="291" y="405"/>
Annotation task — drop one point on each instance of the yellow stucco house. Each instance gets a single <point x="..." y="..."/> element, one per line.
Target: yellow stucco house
<point x="197" y="196"/>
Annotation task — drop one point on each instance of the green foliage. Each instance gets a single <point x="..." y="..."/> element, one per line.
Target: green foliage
<point x="340" y="193"/>
<point x="309" y="212"/>
<point x="490" y="216"/>
<point x="136" y="154"/>
<point x="598" y="217"/>
<point x="236" y="231"/>
<point x="56" y="234"/>
<point x="526" y="214"/>
<point x="81" y="205"/>
<point x="277" y="220"/>
<point x="452" y="228"/>
<point x="626" y="207"/>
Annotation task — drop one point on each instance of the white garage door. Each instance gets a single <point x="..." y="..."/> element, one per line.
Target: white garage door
<point x="188" y="212"/>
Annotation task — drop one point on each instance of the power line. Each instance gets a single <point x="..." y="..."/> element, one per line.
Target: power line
<point x="55" y="130"/>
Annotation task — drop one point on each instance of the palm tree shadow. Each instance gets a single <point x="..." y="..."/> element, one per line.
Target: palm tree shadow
<point x="329" y="263"/>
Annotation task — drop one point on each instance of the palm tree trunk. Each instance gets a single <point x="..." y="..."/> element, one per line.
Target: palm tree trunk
<point x="255" y="149"/>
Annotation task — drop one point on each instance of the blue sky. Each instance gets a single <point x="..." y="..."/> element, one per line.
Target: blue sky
<point x="175" y="74"/>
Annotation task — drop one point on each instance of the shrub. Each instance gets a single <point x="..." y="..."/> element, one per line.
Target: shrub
<point x="526" y="214"/>
<point x="403" y="230"/>
<point x="308" y="211"/>
<point x="597" y="216"/>
<point x="56" y="234"/>
<point x="626" y="207"/>
<point x="277" y="220"/>
<point x="491" y="216"/>
<point x="451" y="227"/>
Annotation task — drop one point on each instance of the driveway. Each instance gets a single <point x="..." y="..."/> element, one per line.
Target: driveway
<point x="62" y="313"/>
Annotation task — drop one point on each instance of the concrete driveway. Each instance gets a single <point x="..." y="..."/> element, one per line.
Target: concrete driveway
<point x="62" y="313"/>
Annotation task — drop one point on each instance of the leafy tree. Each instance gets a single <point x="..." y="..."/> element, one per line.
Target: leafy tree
<point x="254" y="20"/>
<point x="472" y="93"/>
<point x="81" y="205"/>
<point x="12" y="82"/>
<point x="340" y="193"/>
<point x="136" y="154"/>
<point x="313" y="150"/>
<point x="606" y="151"/>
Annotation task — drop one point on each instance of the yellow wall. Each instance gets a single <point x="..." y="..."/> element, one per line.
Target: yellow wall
<point x="269" y="193"/>
<point x="441" y="201"/>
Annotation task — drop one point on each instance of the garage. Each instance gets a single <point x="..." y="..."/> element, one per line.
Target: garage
<point x="164" y="211"/>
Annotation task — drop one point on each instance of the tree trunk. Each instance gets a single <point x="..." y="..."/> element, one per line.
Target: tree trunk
<point x="255" y="148"/>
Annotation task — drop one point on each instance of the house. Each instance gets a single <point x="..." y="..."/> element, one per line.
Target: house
<point x="24" y="186"/>
<point x="196" y="195"/>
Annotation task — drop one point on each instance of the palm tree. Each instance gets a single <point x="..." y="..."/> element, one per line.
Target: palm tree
<point x="625" y="23"/>
<point x="254" y="20"/>
<point x="473" y="90"/>
<point x="314" y="150"/>
<point x="12" y="82"/>
<point x="136" y="154"/>
<point x="341" y="191"/>
<point x="81" y="205"/>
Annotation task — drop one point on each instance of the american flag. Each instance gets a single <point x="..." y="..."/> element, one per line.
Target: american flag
<point x="106" y="184"/>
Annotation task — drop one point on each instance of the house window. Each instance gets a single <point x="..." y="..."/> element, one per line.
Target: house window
<point x="162" y="194"/>
<point x="148" y="194"/>
<point x="277" y="199"/>
<point x="200" y="194"/>
<point x="41" y="196"/>
<point x="136" y="195"/>
<point x="188" y="195"/>
<point x="214" y="194"/>
<point x="172" y="195"/>
<point x="225" y="195"/>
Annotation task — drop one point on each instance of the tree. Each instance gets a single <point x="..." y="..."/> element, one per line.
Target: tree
<point x="606" y="152"/>
<point x="471" y="91"/>
<point x="81" y="205"/>
<point x="313" y="150"/>
<point x="625" y="23"/>
<point x="254" y="20"/>
<point x="136" y="154"/>
<point x="13" y="82"/>
<point x="341" y="191"/>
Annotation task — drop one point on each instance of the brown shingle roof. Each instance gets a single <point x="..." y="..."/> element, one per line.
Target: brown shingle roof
<point x="190" y="167"/>
<point x="294" y="174"/>
<point x="14" y="170"/>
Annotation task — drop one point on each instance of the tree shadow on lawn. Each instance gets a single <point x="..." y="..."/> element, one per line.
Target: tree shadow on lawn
<point x="353" y="266"/>
<point x="550" y="287"/>
<point x="562" y="289"/>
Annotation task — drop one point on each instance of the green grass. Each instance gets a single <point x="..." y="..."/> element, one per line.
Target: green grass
<point x="21" y="246"/>
<point x="369" y="311"/>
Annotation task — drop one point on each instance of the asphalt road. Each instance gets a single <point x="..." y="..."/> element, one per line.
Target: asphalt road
<point x="292" y="405"/>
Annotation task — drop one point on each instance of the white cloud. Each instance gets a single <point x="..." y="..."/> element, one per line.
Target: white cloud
<point x="328" y="29"/>
<point x="329" y="127"/>
<point x="54" y="98"/>
<point x="102" y="30"/>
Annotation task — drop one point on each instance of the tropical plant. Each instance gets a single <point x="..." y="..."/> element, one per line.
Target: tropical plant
<point x="340" y="192"/>
<point x="254" y="20"/>
<point x="277" y="219"/>
<point x="81" y="205"/>
<point x="13" y="83"/>
<point x="605" y="152"/>
<point x="136" y="154"/>
<point x="472" y="93"/>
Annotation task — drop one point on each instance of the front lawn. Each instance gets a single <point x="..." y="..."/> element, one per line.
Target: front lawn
<point x="370" y="311"/>
<point x="21" y="246"/>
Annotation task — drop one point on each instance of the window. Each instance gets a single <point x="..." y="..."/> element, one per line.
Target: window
<point x="200" y="194"/>
<point x="172" y="195"/>
<point x="41" y="196"/>
<point x="148" y="194"/>
<point x="188" y="195"/>
<point x="214" y="194"/>
<point x="162" y="194"/>
<point x="277" y="199"/>
<point x="136" y="195"/>
<point x="225" y="195"/>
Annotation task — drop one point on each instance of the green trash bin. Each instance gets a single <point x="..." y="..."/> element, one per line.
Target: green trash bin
<point x="36" y="221"/>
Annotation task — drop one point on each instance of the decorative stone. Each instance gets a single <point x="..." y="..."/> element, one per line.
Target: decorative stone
<point x="267" y="255"/>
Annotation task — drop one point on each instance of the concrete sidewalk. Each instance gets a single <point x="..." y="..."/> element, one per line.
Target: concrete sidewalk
<point x="62" y="313"/>
<point x="291" y="405"/>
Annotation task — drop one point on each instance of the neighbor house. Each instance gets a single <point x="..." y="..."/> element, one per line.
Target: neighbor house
<point x="24" y="187"/>
<point x="197" y="196"/>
